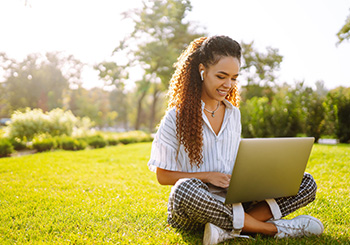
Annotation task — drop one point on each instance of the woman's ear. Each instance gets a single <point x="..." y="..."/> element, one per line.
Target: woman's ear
<point x="201" y="70"/>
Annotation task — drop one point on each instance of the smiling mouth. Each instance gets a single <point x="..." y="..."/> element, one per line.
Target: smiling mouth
<point x="222" y="92"/>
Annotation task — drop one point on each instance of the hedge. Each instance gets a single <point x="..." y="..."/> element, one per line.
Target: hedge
<point x="6" y="147"/>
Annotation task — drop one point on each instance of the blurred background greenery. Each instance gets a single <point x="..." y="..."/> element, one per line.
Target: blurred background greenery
<point x="160" y="32"/>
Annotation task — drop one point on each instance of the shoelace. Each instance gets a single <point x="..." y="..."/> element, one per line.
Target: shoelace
<point x="300" y="228"/>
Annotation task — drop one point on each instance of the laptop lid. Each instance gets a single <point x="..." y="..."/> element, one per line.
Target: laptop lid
<point x="268" y="168"/>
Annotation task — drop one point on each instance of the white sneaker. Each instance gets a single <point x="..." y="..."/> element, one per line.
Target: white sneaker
<point x="215" y="235"/>
<point x="303" y="225"/>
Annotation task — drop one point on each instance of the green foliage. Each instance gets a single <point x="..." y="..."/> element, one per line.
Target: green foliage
<point x="259" y="68"/>
<point x="71" y="144"/>
<point x="44" y="143"/>
<point x="288" y="111"/>
<point x="94" y="104"/>
<point x="18" y="144"/>
<point x="88" y="197"/>
<point x="95" y="141"/>
<point x="134" y="137"/>
<point x="6" y="147"/>
<point x="253" y="114"/>
<point x="39" y="81"/>
<point x="112" y="141"/>
<point x="61" y="122"/>
<point x="161" y="32"/>
<point x="36" y="82"/>
<point x="338" y="113"/>
<point x="264" y="118"/>
<point x="101" y="140"/>
<point x="344" y="32"/>
<point x="315" y="116"/>
<point x="28" y="124"/>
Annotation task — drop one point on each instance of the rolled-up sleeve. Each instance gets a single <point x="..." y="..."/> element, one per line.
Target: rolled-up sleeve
<point x="165" y="145"/>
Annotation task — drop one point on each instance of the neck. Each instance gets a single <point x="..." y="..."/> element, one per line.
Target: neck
<point x="212" y="105"/>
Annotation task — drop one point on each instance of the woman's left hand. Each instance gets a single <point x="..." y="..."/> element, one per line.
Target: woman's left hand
<point x="219" y="179"/>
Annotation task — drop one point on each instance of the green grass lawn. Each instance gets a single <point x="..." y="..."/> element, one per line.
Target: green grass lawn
<point x="109" y="196"/>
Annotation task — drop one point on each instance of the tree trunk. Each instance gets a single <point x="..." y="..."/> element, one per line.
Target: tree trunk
<point x="124" y="111"/>
<point x="153" y="108"/>
<point x="139" y="110"/>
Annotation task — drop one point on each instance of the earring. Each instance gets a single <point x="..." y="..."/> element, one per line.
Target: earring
<point x="202" y="75"/>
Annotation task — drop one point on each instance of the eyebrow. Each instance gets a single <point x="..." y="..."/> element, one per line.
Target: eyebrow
<point x="222" y="72"/>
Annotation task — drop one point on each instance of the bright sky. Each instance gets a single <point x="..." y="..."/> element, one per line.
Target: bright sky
<point x="303" y="31"/>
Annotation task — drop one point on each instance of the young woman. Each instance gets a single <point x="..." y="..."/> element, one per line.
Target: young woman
<point x="196" y="146"/>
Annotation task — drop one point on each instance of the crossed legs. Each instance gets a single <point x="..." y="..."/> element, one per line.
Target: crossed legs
<point x="254" y="220"/>
<point x="192" y="206"/>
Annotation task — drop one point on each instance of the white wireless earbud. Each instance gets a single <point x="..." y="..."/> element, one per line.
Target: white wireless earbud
<point x="202" y="75"/>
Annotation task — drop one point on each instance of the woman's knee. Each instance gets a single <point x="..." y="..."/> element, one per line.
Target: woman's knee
<point x="184" y="191"/>
<point x="309" y="185"/>
<point x="186" y="186"/>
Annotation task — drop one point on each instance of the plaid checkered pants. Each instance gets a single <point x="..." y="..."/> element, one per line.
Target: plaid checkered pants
<point x="191" y="205"/>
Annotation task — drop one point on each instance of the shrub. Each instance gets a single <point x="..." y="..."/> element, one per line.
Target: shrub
<point x="79" y="144"/>
<point x="6" y="147"/>
<point x="337" y="107"/>
<point x="112" y="141"/>
<point x="28" y="124"/>
<point x="2" y="131"/>
<point x="44" y="144"/>
<point x="18" y="144"/>
<point x="134" y="137"/>
<point x="71" y="144"/>
<point x="127" y="140"/>
<point x="61" y="122"/>
<point x="35" y="122"/>
<point x="314" y="122"/>
<point x="254" y="120"/>
<point x="285" y="114"/>
<point x="95" y="141"/>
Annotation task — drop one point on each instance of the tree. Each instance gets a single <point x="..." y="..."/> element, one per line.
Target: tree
<point x="120" y="103"/>
<point x="39" y="81"/>
<point x="259" y="70"/>
<point x="141" y="92"/>
<point x="5" y="110"/>
<point x="115" y="75"/>
<point x="344" y="32"/>
<point x="315" y="117"/>
<point x="94" y="104"/>
<point x="35" y="84"/>
<point x="159" y="36"/>
<point x="338" y="113"/>
<point x="291" y="111"/>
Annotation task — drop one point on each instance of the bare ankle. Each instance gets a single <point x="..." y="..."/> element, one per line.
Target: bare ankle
<point x="271" y="229"/>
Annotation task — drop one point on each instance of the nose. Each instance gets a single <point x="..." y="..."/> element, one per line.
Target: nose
<point x="228" y="83"/>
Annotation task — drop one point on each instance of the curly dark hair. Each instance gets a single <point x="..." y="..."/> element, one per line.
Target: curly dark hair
<point x="186" y="88"/>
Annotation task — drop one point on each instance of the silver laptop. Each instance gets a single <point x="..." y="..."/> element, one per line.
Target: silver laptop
<point x="268" y="168"/>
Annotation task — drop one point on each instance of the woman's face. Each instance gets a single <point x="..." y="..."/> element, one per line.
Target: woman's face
<point x="219" y="79"/>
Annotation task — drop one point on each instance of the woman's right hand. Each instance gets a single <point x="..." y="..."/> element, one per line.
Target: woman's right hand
<point x="219" y="179"/>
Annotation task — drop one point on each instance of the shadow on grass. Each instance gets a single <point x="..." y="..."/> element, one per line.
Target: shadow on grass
<point x="191" y="237"/>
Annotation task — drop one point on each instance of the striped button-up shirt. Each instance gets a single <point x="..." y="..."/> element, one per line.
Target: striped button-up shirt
<point x="219" y="150"/>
